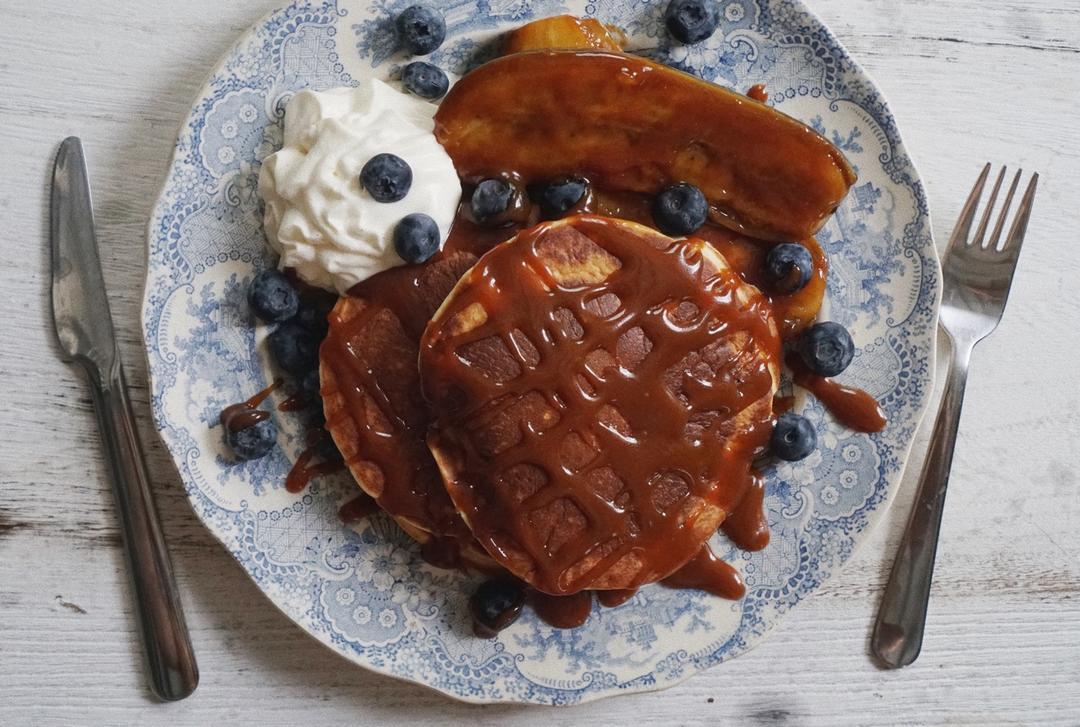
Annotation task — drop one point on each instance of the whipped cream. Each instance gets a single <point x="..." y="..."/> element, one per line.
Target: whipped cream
<point x="318" y="216"/>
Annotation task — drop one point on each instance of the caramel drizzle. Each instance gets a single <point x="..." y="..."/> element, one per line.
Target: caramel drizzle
<point x="747" y="526"/>
<point x="579" y="395"/>
<point x="708" y="573"/>
<point x="304" y="470"/>
<point x="562" y="612"/>
<point x="245" y="414"/>
<point x="853" y="408"/>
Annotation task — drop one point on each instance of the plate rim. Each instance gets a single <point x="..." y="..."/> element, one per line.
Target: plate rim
<point x="583" y="696"/>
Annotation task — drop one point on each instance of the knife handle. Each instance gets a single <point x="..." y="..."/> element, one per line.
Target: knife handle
<point x="174" y="673"/>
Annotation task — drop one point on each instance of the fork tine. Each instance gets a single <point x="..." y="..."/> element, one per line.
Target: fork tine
<point x="977" y="241"/>
<point x="996" y="236"/>
<point x="1019" y="226"/>
<point x="967" y="214"/>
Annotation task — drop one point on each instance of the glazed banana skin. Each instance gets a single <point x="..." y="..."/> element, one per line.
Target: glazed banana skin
<point x="628" y="123"/>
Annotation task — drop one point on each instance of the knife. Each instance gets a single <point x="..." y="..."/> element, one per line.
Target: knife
<point x="85" y="331"/>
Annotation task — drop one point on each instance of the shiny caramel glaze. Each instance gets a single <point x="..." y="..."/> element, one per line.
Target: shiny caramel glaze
<point x="599" y="391"/>
<point x="563" y="31"/>
<point x="628" y="123"/>
<point x="371" y="393"/>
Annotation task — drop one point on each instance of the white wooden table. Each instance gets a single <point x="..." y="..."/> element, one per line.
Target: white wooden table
<point x="969" y="80"/>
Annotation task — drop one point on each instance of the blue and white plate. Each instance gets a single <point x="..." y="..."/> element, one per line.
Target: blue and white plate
<point x="365" y="592"/>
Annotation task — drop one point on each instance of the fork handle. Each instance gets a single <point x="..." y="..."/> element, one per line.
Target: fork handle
<point x="898" y="633"/>
<point x="173" y="671"/>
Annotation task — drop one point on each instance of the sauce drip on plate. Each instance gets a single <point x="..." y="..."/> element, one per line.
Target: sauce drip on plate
<point x="852" y="407"/>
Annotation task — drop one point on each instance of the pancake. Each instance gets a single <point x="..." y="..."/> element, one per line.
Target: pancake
<point x="374" y="410"/>
<point x="598" y="392"/>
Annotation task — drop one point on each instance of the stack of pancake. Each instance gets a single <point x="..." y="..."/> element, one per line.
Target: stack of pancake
<point x="582" y="409"/>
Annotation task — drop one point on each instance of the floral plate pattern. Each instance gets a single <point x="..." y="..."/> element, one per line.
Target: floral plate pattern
<point x="363" y="590"/>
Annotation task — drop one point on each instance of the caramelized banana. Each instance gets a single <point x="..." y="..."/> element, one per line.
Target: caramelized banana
<point x="563" y="31"/>
<point x="628" y="123"/>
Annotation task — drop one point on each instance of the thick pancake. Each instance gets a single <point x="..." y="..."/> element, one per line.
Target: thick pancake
<point x="599" y="391"/>
<point x="374" y="409"/>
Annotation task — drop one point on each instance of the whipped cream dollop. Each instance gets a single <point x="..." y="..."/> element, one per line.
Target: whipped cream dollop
<point x="318" y="216"/>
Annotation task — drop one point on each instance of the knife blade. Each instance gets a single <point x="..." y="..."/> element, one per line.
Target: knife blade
<point x="84" y="329"/>
<point x="80" y="308"/>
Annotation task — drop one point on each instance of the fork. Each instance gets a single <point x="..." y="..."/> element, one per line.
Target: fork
<point x="977" y="275"/>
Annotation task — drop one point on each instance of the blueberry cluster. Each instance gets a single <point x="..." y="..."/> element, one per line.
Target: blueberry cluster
<point x="827" y="350"/>
<point x="421" y="30"/>
<point x="301" y="325"/>
<point x="388" y="178"/>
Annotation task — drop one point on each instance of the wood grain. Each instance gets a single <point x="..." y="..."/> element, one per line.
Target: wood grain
<point x="969" y="81"/>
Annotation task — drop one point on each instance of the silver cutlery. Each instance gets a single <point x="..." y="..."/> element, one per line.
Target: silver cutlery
<point x="85" y="332"/>
<point x="977" y="274"/>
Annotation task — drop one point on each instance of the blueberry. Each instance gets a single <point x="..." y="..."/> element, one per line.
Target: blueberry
<point x="559" y="196"/>
<point x="680" y="209"/>
<point x="826" y="348"/>
<point x="788" y="267"/>
<point x="313" y="315"/>
<point x="691" y="21"/>
<point x="309" y="383"/>
<point x="425" y="80"/>
<point x="327" y="449"/>
<point x="386" y="177"/>
<point x="421" y="29"/>
<point x="272" y="297"/>
<point x="294" y="347"/>
<point x="490" y="198"/>
<point x="416" y="238"/>
<point x="495" y="605"/>
<point x="252" y="442"/>
<point x="793" y="437"/>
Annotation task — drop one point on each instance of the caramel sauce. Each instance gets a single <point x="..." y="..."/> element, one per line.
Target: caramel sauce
<point x="562" y="612"/>
<point x="304" y="470"/>
<point x="758" y="93"/>
<point x="237" y="417"/>
<point x="854" y="408"/>
<point x="357" y="509"/>
<point x="658" y="396"/>
<point x="706" y="572"/>
<point x="611" y="599"/>
<point x="747" y="526"/>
